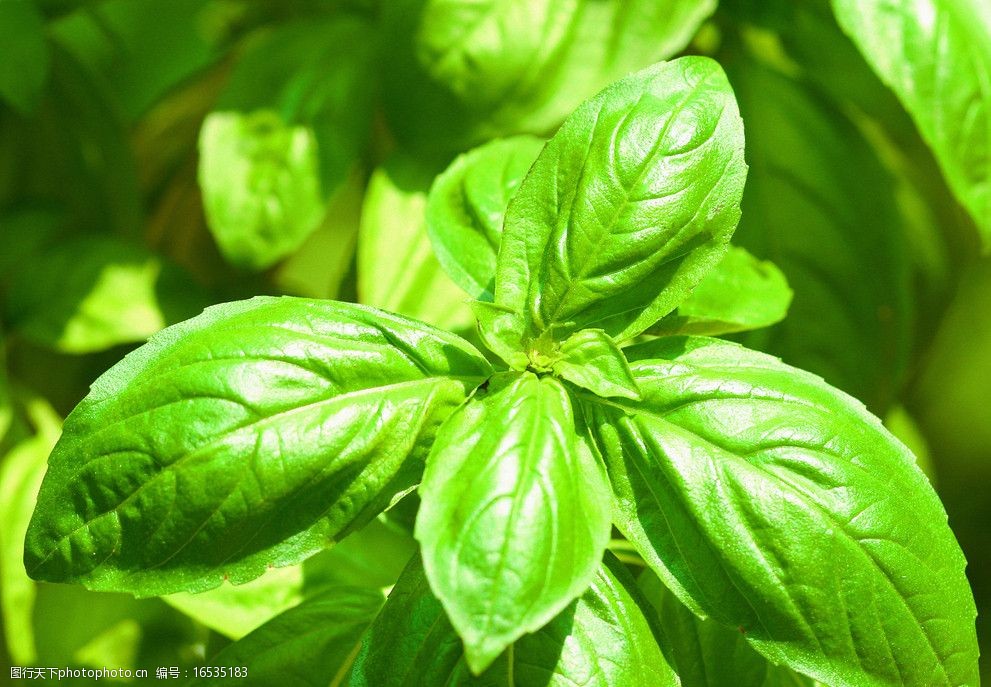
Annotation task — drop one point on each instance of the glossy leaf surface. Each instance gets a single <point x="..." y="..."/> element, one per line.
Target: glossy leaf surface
<point x="627" y="207"/>
<point x="936" y="56"/>
<point x="307" y="645"/>
<point x="768" y="500"/>
<point x="515" y="516"/>
<point x="602" y="639"/>
<point x="300" y="420"/>
<point x="739" y="294"/>
<point x="466" y="207"/>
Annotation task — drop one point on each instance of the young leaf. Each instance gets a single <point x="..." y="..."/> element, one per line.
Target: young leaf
<point x="261" y="185"/>
<point x="300" y="420"/>
<point x="396" y="265"/>
<point x="602" y="639"/>
<point x="835" y="235"/>
<point x="739" y="294"/>
<point x="592" y="360"/>
<point x="21" y="471"/>
<point x="466" y="206"/>
<point x="936" y="56"/>
<point x="88" y="294"/>
<point x="772" y="502"/>
<point x="307" y="645"/>
<point x="514" y="517"/>
<point x="627" y="207"/>
<point x="25" y="62"/>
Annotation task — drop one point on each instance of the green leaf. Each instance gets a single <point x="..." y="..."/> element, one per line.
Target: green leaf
<point x="772" y="502"/>
<point x="236" y="611"/>
<point x="25" y="63"/>
<point x="90" y="293"/>
<point x="288" y="128"/>
<point x="461" y="72"/>
<point x="373" y="557"/>
<point x="307" y="645"/>
<point x="592" y="360"/>
<point x="300" y="420"/>
<point x="261" y="185"/>
<point x="627" y="208"/>
<point x="515" y="516"/>
<point x="21" y="470"/>
<point x="396" y="265"/>
<point x="739" y="294"/>
<point x="602" y="639"/>
<point x="835" y="235"/>
<point x="936" y="56"/>
<point x="702" y="652"/>
<point x="466" y="207"/>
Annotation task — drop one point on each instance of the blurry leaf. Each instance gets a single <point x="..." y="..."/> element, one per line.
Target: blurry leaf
<point x="21" y="471"/>
<point x="25" y="232"/>
<point x="373" y="557"/>
<point x="397" y="270"/>
<point x="936" y="56"/>
<point x="142" y="48"/>
<point x="307" y="645"/>
<point x="234" y="611"/>
<point x="702" y="652"/>
<point x="287" y="129"/>
<point x="602" y="639"/>
<point x="116" y="646"/>
<point x="463" y="71"/>
<point x="467" y="205"/>
<point x="92" y="293"/>
<point x="739" y="294"/>
<point x="836" y="236"/>
<point x="290" y="439"/>
<point x="515" y="516"/>
<point x="900" y="422"/>
<point x="73" y="155"/>
<point x="25" y="62"/>
<point x="323" y="265"/>
<point x="261" y="186"/>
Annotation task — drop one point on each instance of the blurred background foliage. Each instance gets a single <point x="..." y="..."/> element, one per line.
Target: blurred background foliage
<point x="157" y="157"/>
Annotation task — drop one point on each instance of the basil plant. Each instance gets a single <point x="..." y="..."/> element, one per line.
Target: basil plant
<point x="604" y="496"/>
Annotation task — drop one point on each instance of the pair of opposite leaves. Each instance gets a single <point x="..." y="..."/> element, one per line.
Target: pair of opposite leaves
<point x="257" y="432"/>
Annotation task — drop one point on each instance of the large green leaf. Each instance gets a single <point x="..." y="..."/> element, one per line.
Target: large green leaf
<point x="463" y="71"/>
<point x="287" y="129"/>
<point x="739" y="294"/>
<point x="602" y="639"/>
<point x="774" y="503"/>
<point x="307" y="645"/>
<point x="290" y="422"/>
<point x="88" y="294"/>
<point x="466" y="207"/>
<point x="625" y="210"/>
<point x="515" y="516"/>
<point x="25" y="62"/>
<point x="837" y="236"/>
<point x="21" y="471"/>
<point x="936" y="56"/>
<point x="397" y="270"/>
